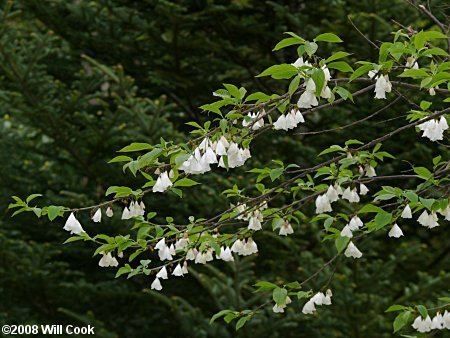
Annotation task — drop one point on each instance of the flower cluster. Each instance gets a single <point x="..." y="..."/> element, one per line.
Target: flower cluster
<point x="135" y="209"/>
<point x="256" y="120"/>
<point x="207" y="153"/>
<point x="434" y="129"/>
<point x="382" y="84"/>
<point x="354" y="224"/>
<point x="323" y="202"/>
<point x="308" y="98"/>
<point x="439" y="322"/>
<point x="318" y="299"/>
<point x="289" y="121"/>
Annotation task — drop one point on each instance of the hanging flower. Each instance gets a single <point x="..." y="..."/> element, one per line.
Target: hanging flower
<point x="308" y="98"/>
<point x="352" y="251"/>
<point x="322" y="204"/>
<point x="363" y="190"/>
<point x="178" y="271"/>
<point x="411" y="62"/>
<point x="434" y="129"/>
<point x="226" y="255"/>
<point x="156" y="285"/>
<point x="428" y="220"/>
<point x="255" y="221"/>
<point x="109" y="212"/>
<point x="286" y="229"/>
<point x="382" y="86"/>
<point x="406" y="213"/>
<point x="351" y="195"/>
<point x="309" y="308"/>
<point x="422" y="325"/>
<point x="347" y="232"/>
<point x="126" y="213"/>
<point x="73" y="226"/>
<point x="108" y="260"/>
<point x="332" y="194"/>
<point x="162" y="183"/>
<point x="355" y="223"/>
<point x="162" y="273"/>
<point x="395" y="231"/>
<point x="97" y="216"/>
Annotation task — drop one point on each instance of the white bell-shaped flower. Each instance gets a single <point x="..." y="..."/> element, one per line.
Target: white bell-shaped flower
<point x="108" y="260"/>
<point x="308" y="308"/>
<point x="97" y="216"/>
<point x="278" y="309"/>
<point x="347" y="232"/>
<point x="226" y="254"/>
<point x="395" y="231"/>
<point x="156" y="285"/>
<point x="162" y="273"/>
<point x="109" y="212"/>
<point x="162" y="183"/>
<point x="332" y="194"/>
<point x="363" y="190"/>
<point x="73" y="226"/>
<point x="446" y="213"/>
<point x="428" y="220"/>
<point x="411" y="62"/>
<point x="355" y="223"/>
<point x="286" y="229"/>
<point x="280" y="123"/>
<point x="352" y="251"/>
<point x="300" y="63"/>
<point x="406" y="213"/>
<point x="382" y="86"/>
<point x="126" y="213"/>
<point x="178" y="271"/>
<point x="322" y="204"/>
<point x="438" y="322"/>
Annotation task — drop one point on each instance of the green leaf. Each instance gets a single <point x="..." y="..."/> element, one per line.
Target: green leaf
<point x="288" y="42"/>
<point x="328" y="37"/>
<point x="283" y="71"/>
<point x="279" y="296"/>
<point x="310" y="48"/>
<point x="123" y="270"/>
<point x="275" y="173"/>
<point x="54" y="211"/>
<point x="396" y="307"/>
<point x="422" y="310"/>
<point x="265" y="286"/>
<point x="341" y="243"/>
<point x="423" y="173"/>
<point x="233" y="90"/>
<point x="219" y="314"/>
<point x="341" y="66"/>
<point x="336" y="56"/>
<point x="331" y="149"/>
<point x="318" y="77"/>
<point x="414" y="73"/>
<point x="120" y="158"/>
<point x="361" y="71"/>
<point x="401" y="320"/>
<point x="135" y="147"/>
<point x="73" y="239"/>
<point x="32" y="197"/>
<point x="185" y="182"/>
<point x="118" y="191"/>
<point x="241" y="322"/>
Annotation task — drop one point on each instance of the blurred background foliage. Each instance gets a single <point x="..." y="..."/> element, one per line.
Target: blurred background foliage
<point x="62" y="119"/>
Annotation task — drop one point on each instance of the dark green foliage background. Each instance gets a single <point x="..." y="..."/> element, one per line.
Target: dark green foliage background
<point x="61" y="122"/>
